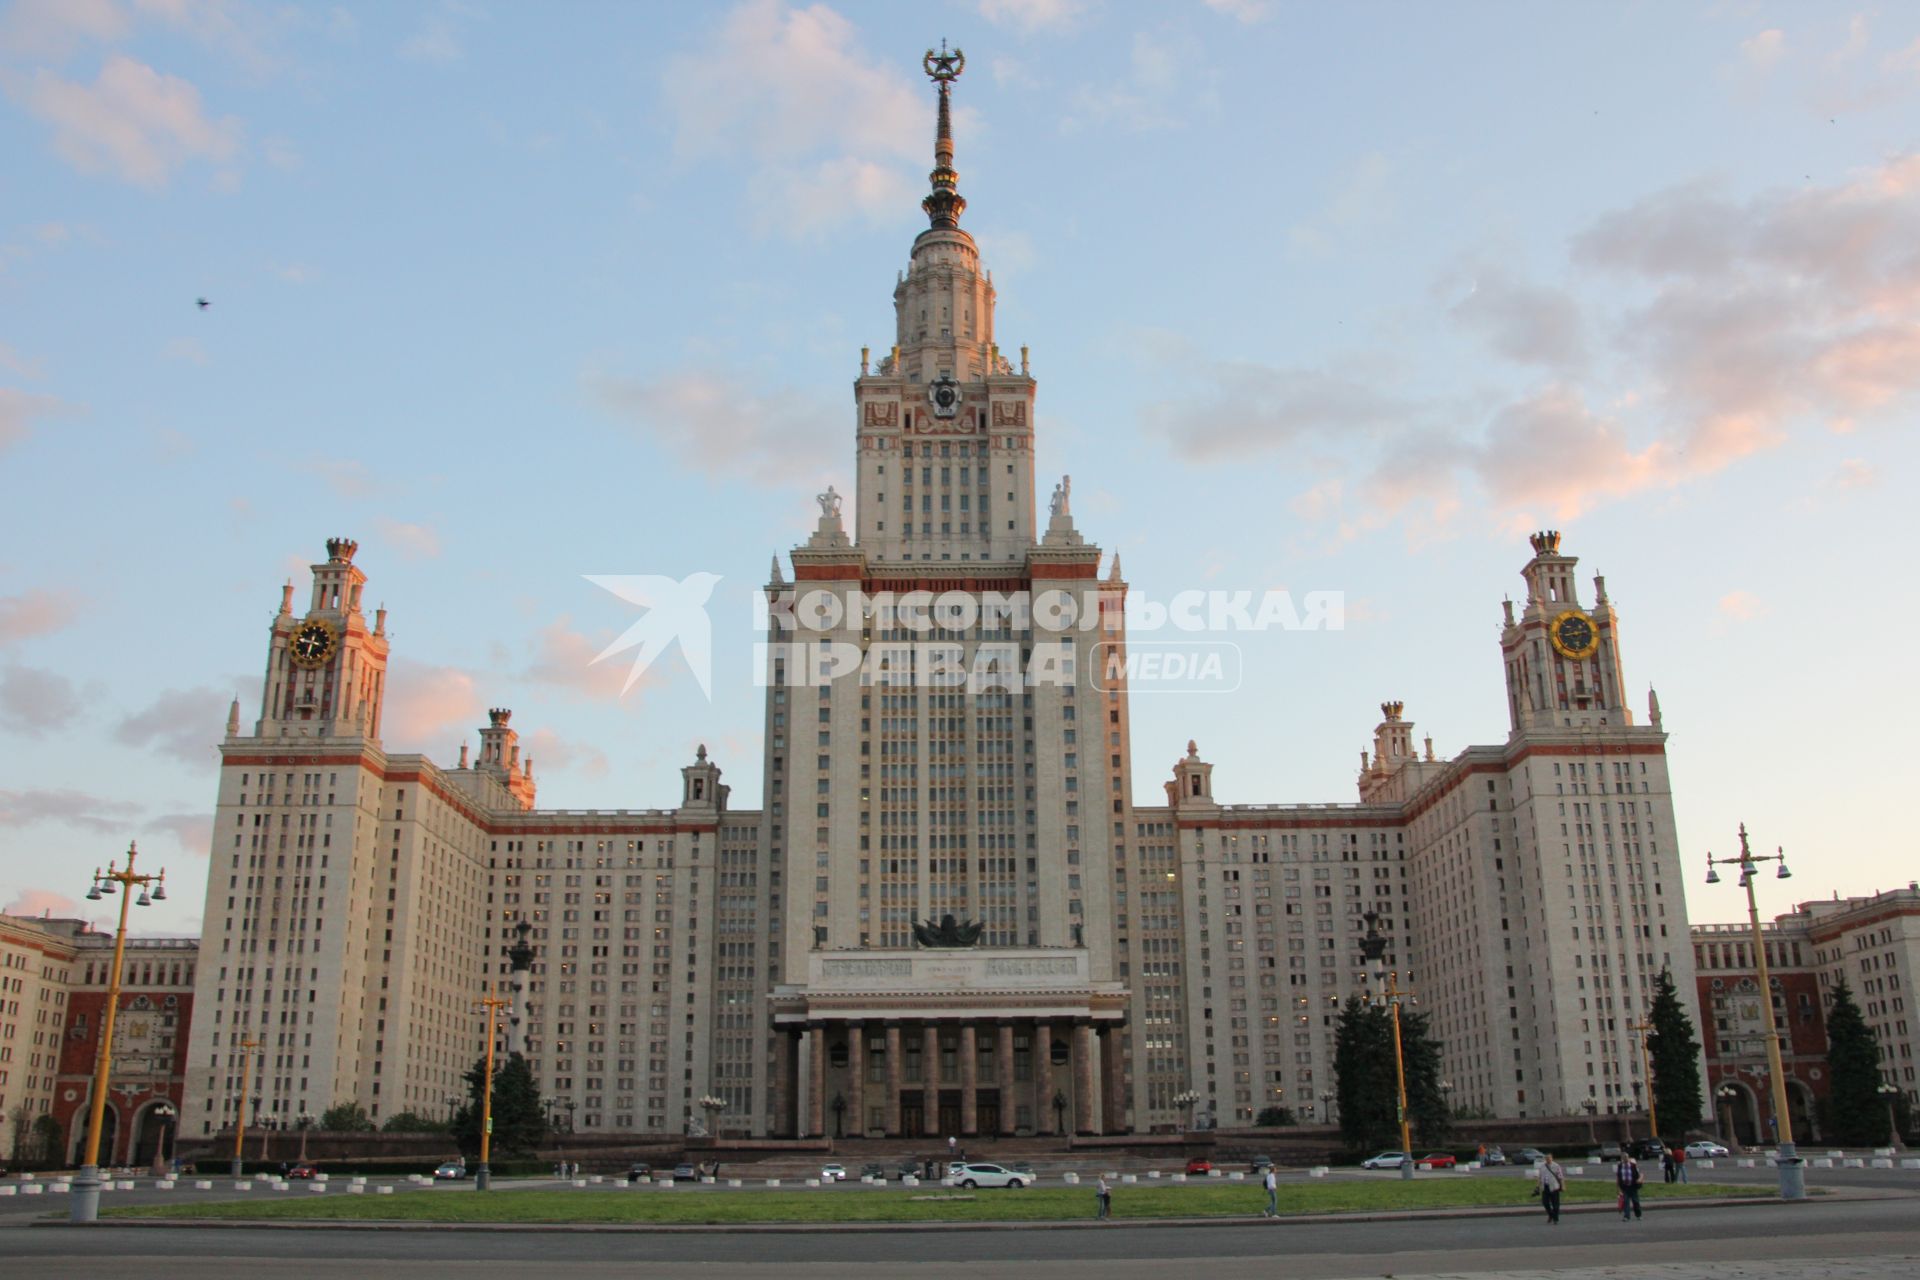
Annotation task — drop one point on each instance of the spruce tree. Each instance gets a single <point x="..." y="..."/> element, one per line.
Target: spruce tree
<point x="1363" y="1077"/>
<point x="519" y="1123"/>
<point x="1675" y="1056"/>
<point x="1426" y="1100"/>
<point x="1859" y="1115"/>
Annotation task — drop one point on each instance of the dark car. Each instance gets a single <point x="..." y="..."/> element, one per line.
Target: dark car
<point x="909" y="1169"/>
<point x="685" y="1173"/>
<point x="451" y="1171"/>
<point x="639" y="1172"/>
<point x="1493" y="1156"/>
<point x="1529" y="1155"/>
<point x="1607" y="1151"/>
<point x="1646" y="1149"/>
<point x="876" y="1171"/>
<point x="1260" y="1164"/>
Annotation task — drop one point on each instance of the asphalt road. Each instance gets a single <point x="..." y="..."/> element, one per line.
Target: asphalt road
<point x="1882" y="1233"/>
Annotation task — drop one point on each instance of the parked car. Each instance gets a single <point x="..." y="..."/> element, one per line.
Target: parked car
<point x="1529" y="1155"/>
<point x="874" y="1170"/>
<point x="685" y="1173"/>
<point x="1259" y="1164"/>
<point x="1023" y="1168"/>
<point x="1646" y="1149"/>
<point x="1704" y="1150"/>
<point x="639" y="1172"/>
<point x="1438" y="1160"/>
<point x="1493" y="1156"/>
<point x="1386" y="1160"/>
<point x="1608" y="1151"/>
<point x="910" y="1168"/>
<point x="303" y="1170"/>
<point x="1199" y="1165"/>
<point x="833" y="1173"/>
<point x="969" y="1174"/>
<point x="451" y="1171"/>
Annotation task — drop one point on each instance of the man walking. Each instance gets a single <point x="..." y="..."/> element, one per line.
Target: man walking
<point x="1553" y="1180"/>
<point x="1626" y="1176"/>
<point x="1680" y="1164"/>
<point x="1105" y="1196"/>
<point x="1272" y="1183"/>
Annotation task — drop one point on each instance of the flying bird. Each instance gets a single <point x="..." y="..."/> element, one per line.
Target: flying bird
<point x="202" y="303"/>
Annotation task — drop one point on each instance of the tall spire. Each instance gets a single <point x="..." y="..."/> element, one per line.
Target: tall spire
<point x="944" y="204"/>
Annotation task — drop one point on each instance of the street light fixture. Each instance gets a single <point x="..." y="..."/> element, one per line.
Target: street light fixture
<point x="492" y="1002"/>
<point x="1326" y="1106"/>
<point x="1186" y="1100"/>
<point x="1793" y="1176"/>
<point x="1889" y="1094"/>
<point x="1590" y="1106"/>
<point x="304" y="1121"/>
<point x="1059" y="1111"/>
<point x="246" y="1047"/>
<point x="1644" y="1026"/>
<point x="1728" y="1095"/>
<point x="1374" y="948"/>
<point x="84" y="1205"/>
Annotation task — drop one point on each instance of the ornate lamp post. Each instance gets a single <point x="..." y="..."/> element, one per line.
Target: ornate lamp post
<point x="246" y="1047"/>
<point x="84" y="1204"/>
<point x="1590" y="1106"/>
<point x="1644" y="1026"/>
<point x="1326" y="1106"/>
<point x="1186" y="1099"/>
<point x="1793" y="1177"/>
<point x="305" y="1122"/>
<point x="714" y="1105"/>
<point x="1390" y="995"/>
<point x="162" y="1116"/>
<point x="493" y="1003"/>
<point x="1059" y="1111"/>
<point x="1889" y="1094"/>
<point x="839" y="1116"/>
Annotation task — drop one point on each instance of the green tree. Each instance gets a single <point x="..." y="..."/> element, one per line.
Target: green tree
<point x="1675" y="1055"/>
<point x="1426" y="1100"/>
<point x="1367" y="1085"/>
<point x="1859" y="1114"/>
<point x="412" y="1122"/>
<point x="519" y="1120"/>
<point x="346" y="1117"/>
<point x="47" y="1139"/>
<point x="1273" y="1118"/>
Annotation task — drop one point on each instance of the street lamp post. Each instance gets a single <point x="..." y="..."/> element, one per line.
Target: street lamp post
<point x="713" y="1105"/>
<point x="1793" y="1176"/>
<point x="1186" y="1100"/>
<point x="1326" y="1106"/>
<point x="84" y="1204"/>
<point x="1644" y="1026"/>
<point x="1889" y="1094"/>
<point x="1590" y="1106"/>
<point x="265" y="1127"/>
<point x="1059" y="1111"/>
<point x="492" y="1002"/>
<point x="1728" y="1095"/>
<point x="1390" y="994"/>
<point x="305" y="1121"/>
<point x="246" y="1047"/>
<point x="162" y="1115"/>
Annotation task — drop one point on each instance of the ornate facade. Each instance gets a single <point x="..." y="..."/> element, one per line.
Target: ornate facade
<point x="938" y="743"/>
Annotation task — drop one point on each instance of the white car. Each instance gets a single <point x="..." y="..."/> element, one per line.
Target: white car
<point x="1705" y="1151"/>
<point x="833" y="1173"/>
<point x="984" y="1175"/>
<point x="1386" y="1160"/>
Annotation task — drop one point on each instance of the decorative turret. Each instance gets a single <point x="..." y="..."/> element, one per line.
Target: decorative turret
<point x="944" y="204"/>
<point x="1562" y="660"/>
<point x="341" y="550"/>
<point x="500" y="756"/>
<point x="1192" y="783"/>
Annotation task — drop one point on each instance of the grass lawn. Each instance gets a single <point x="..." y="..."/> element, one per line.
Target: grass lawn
<point x="926" y="1204"/>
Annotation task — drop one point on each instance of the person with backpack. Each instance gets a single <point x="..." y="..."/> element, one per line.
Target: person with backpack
<point x="1105" y="1196"/>
<point x="1626" y="1175"/>
<point x="1553" y="1181"/>
<point x="1272" y="1183"/>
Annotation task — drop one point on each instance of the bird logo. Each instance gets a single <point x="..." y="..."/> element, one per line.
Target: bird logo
<point x="675" y="610"/>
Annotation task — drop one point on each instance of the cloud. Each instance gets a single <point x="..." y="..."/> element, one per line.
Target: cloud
<point x="18" y="412"/>
<point x="186" y="724"/>
<point x="1526" y="323"/>
<point x="794" y="90"/>
<point x="67" y="808"/>
<point x="346" y="477"/>
<point x="1853" y="474"/>
<point x="55" y="28"/>
<point x="1763" y="49"/>
<point x="413" y="541"/>
<point x="1551" y="451"/>
<point x="134" y="122"/>
<point x="33" y="701"/>
<point x="42" y="902"/>
<point x="564" y="659"/>
<point x="20" y="366"/>
<point x="435" y="41"/>
<point x="1229" y="406"/>
<point x="1246" y="11"/>
<point x="193" y="832"/>
<point x="551" y="752"/>
<point x="426" y="703"/>
<point x="1166" y="81"/>
<point x="707" y="420"/>
<point x="1362" y="200"/>
<point x="1742" y="606"/>
<point x="36" y="613"/>
<point x="1033" y="15"/>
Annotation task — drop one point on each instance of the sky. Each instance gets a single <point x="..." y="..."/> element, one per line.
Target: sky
<point x="1319" y="298"/>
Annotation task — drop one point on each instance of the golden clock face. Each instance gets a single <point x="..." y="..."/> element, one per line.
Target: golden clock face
<point x="1573" y="635"/>
<point x="312" y="644"/>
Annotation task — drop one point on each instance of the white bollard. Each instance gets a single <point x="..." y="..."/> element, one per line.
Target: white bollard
<point x="596" y="1178"/>
<point x="734" y="1182"/>
<point x="321" y="1177"/>
<point x="356" y="1188"/>
<point x="1855" y="1162"/>
<point x="908" y="1181"/>
<point x="579" y="1182"/>
<point x="1911" y="1162"/>
<point x="1822" y="1162"/>
<point x="1070" y="1178"/>
<point x="1882" y="1162"/>
<point x="1317" y="1171"/>
<point x="243" y="1186"/>
<point x="316" y="1186"/>
<point x="813" y="1182"/>
<point x="203" y="1185"/>
<point x="1703" y="1163"/>
<point x="1883" y="1151"/>
<point x="386" y="1191"/>
<point x="34" y="1189"/>
<point x="163" y="1184"/>
<point x="1837" y="1155"/>
<point x="1153" y="1173"/>
<point x="1236" y="1176"/>
<point x="7" y="1191"/>
<point x="773" y="1182"/>
<point x="359" y="1182"/>
<point x="1576" y="1170"/>
<point x="1128" y="1177"/>
<point x="709" y="1179"/>
<point x="126" y="1184"/>
<point x="1744" y="1163"/>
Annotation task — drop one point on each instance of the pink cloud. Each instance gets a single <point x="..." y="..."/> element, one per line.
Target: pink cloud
<point x="36" y="613"/>
<point x="192" y="831"/>
<point x="186" y="724"/>
<point x="18" y="412"/>
<point x="551" y="752"/>
<point x="1743" y="606"/>
<point x="428" y="705"/>
<point x="35" y="702"/>
<point x="133" y="122"/>
<point x="42" y="902"/>
<point x="564" y="659"/>
<point x="68" y="808"/>
<point x="413" y="541"/>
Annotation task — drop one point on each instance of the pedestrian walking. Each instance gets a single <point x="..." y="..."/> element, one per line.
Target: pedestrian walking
<point x="1105" y="1196"/>
<point x="1666" y="1163"/>
<point x="1626" y="1175"/>
<point x="1272" y="1183"/>
<point x="1553" y="1181"/>
<point x="1680" y="1163"/>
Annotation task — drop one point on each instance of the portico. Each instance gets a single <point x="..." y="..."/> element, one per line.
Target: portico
<point x="949" y="1043"/>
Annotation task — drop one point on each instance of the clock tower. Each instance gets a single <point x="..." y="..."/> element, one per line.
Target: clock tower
<point x="326" y="670"/>
<point x="1562" y="659"/>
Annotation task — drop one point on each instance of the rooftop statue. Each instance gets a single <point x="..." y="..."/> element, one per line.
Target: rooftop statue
<point x="948" y="933"/>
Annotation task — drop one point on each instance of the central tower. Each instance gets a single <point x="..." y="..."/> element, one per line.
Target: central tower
<point x="945" y="422"/>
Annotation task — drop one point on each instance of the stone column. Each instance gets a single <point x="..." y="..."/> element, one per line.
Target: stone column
<point x="782" y="1081"/>
<point x="1003" y="1060"/>
<point x="1083" y="1078"/>
<point x="1112" y="1079"/>
<point x="857" y="1079"/>
<point x="969" y="1081"/>
<point x="1042" y="1078"/>
<point x="930" y="1079"/>
<point x="893" y="1080"/>
<point x="817" y="1090"/>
